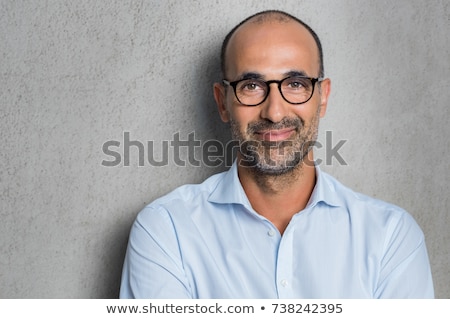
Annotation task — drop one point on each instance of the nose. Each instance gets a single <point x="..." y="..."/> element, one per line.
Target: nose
<point x="274" y="108"/>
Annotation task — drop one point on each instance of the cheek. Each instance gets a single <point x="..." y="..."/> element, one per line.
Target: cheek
<point x="308" y="112"/>
<point x="243" y="114"/>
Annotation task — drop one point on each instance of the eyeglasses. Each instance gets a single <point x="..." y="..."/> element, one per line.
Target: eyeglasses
<point x="293" y="89"/>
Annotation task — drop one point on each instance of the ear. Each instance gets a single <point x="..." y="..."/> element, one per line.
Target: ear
<point x="325" y="89"/>
<point x="219" y="96"/>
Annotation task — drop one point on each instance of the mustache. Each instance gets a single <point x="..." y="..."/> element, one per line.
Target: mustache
<point x="266" y="125"/>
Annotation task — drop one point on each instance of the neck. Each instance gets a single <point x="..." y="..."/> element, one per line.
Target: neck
<point x="279" y="197"/>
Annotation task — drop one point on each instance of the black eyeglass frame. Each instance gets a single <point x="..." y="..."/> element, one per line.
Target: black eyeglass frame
<point x="233" y="84"/>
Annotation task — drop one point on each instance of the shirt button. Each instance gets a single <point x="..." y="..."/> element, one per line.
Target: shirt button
<point x="271" y="233"/>
<point x="284" y="282"/>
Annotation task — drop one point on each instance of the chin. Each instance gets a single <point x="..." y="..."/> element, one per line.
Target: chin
<point x="264" y="162"/>
<point x="276" y="169"/>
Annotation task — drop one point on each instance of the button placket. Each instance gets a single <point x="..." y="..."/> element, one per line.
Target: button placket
<point x="284" y="265"/>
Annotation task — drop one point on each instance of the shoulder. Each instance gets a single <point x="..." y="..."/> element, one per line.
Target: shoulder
<point x="189" y="193"/>
<point x="349" y="197"/>
<point x="179" y="201"/>
<point x="374" y="213"/>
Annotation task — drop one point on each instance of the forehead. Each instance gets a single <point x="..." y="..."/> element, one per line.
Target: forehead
<point x="271" y="48"/>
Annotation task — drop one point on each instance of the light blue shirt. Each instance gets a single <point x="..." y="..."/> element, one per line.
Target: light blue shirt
<point x="206" y="241"/>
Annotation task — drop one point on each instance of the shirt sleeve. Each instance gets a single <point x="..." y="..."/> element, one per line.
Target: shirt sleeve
<point x="405" y="269"/>
<point x="153" y="266"/>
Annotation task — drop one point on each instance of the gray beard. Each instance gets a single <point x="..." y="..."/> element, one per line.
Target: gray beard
<point x="271" y="158"/>
<point x="275" y="158"/>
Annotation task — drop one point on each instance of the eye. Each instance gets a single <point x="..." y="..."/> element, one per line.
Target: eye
<point x="297" y="83"/>
<point x="250" y="85"/>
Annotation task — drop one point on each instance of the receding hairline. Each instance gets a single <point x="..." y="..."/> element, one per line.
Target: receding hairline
<point x="271" y="16"/>
<point x="267" y="16"/>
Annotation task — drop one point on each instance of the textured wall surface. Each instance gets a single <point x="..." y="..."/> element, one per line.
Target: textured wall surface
<point x="77" y="74"/>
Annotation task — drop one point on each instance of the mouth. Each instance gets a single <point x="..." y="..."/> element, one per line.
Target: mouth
<point x="275" y="135"/>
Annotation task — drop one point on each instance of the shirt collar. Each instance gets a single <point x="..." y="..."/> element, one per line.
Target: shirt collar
<point x="229" y="190"/>
<point x="324" y="191"/>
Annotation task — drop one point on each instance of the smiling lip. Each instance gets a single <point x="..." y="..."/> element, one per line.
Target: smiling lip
<point x="275" y="135"/>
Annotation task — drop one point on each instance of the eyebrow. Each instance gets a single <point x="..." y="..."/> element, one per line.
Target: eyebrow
<point x="250" y="75"/>
<point x="296" y="73"/>
<point x="256" y="75"/>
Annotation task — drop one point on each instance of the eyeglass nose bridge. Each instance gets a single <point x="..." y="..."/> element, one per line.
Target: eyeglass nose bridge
<point x="278" y="82"/>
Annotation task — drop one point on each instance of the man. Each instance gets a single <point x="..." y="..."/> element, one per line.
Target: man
<point x="274" y="225"/>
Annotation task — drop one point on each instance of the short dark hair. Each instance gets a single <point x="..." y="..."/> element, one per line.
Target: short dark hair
<point x="280" y="16"/>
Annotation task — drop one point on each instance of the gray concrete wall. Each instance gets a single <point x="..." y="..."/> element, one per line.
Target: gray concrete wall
<point x="77" y="74"/>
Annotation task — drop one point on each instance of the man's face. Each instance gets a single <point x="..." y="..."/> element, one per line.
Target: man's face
<point x="275" y="136"/>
